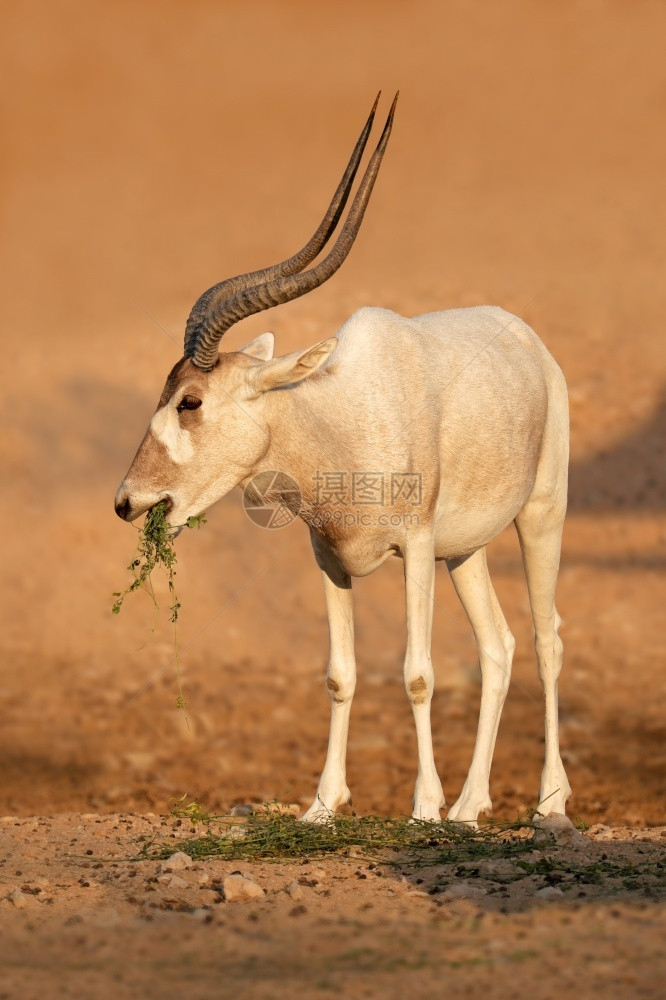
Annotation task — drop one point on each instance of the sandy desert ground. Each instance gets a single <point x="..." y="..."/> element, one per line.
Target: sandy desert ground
<point x="150" y="150"/>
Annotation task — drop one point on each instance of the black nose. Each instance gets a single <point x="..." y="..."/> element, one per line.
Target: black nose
<point x="122" y="508"/>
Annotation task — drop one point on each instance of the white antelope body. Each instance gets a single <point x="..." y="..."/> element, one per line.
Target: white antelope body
<point x="429" y="435"/>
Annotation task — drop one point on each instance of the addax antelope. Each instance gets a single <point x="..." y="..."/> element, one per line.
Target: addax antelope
<point x="465" y="406"/>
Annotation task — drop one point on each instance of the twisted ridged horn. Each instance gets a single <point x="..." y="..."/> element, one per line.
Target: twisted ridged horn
<point x="204" y="344"/>
<point x="216" y="295"/>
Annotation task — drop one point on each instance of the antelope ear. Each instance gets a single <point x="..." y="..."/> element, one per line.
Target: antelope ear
<point x="291" y="367"/>
<point x="261" y="347"/>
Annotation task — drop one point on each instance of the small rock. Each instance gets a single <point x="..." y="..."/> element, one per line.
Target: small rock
<point x="500" y="867"/>
<point x="203" y="914"/>
<point x="463" y="890"/>
<point x="294" y="890"/>
<point x="601" y="831"/>
<point x="176" y="882"/>
<point x="459" y="909"/>
<point x="238" y="887"/>
<point x="88" y="883"/>
<point x="559" y="828"/>
<point x="19" y="899"/>
<point x="245" y="810"/>
<point x="549" y="892"/>
<point x="176" y="863"/>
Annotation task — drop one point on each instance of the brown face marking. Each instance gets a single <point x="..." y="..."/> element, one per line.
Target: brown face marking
<point x="187" y="376"/>
<point x="152" y="466"/>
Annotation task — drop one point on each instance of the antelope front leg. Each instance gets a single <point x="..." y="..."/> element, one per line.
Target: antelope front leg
<point x="332" y="791"/>
<point x="419" y="677"/>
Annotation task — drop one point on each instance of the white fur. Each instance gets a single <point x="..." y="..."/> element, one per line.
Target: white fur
<point x="166" y="428"/>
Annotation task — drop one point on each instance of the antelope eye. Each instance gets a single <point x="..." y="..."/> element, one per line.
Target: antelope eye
<point x="188" y="403"/>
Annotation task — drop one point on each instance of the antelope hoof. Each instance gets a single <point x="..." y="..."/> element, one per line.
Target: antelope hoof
<point x="554" y="792"/>
<point x="426" y="814"/>
<point x="466" y="810"/>
<point x="324" y="808"/>
<point x="428" y="810"/>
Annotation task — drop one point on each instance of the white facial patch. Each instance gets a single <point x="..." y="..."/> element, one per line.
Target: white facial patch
<point x="166" y="428"/>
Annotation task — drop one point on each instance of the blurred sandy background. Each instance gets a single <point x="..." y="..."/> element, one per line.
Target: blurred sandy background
<point x="149" y="150"/>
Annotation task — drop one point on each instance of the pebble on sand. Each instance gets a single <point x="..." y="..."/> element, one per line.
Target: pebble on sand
<point x="550" y="892"/>
<point x="294" y="890"/>
<point x="178" y="862"/>
<point x="559" y="828"/>
<point x="175" y="882"/>
<point x="463" y="890"/>
<point x="238" y="887"/>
